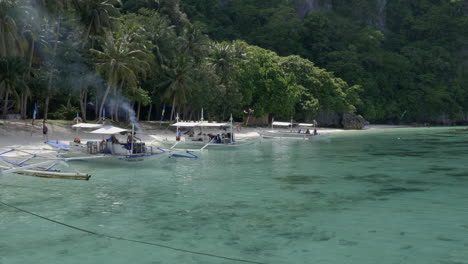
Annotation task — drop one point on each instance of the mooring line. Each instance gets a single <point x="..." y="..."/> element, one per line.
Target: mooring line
<point x="132" y="240"/>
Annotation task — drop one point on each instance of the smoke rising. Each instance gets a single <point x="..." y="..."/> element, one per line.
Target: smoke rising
<point x="70" y="61"/>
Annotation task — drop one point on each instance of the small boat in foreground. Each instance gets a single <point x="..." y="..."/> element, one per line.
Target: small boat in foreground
<point x="43" y="169"/>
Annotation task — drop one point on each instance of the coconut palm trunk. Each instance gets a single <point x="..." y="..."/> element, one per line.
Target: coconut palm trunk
<point x="138" y="111"/>
<point x="149" y="112"/>
<point x="5" y="104"/>
<point x="31" y="56"/>
<point x="49" y="85"/>
<point x="173" y="109"/>
<point x="96" y="103"/>
<point x="109" y="85"/>
<point x="83" y="103"/>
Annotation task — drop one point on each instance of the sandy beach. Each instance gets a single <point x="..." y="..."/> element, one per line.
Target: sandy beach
<point x="21" y="134"/>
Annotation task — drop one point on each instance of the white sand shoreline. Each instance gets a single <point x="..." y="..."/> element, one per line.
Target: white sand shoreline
<point x="21" y="134"/>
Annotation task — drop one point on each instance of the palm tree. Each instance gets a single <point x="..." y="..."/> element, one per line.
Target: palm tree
<point x="194" y="42"/>
<point x="35" y="34"/>
<point x="222" y="59"/>
<point x="177" y="80"/>
<point x="11" y="43"/>
<point x="11" y="79"/>
<point x="57" y="11"/>
<point x="119" y="64"/>
<point x="96" y="15"/>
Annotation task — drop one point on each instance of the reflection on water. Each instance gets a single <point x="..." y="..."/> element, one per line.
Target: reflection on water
<point x="395" y="196"/>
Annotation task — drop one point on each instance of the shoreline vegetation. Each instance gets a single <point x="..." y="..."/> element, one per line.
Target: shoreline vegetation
<point x="143" y="60"/>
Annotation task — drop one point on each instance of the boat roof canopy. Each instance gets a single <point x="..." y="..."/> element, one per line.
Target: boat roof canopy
<point x="305" y="125"/>
<point x="86" y="125"/>
<point x="281" y="124"/>
<point x="206" y="124"/>
<point x="109" y="130"/>
<point x="199" y="124"/>
<point x="185" y="124"/>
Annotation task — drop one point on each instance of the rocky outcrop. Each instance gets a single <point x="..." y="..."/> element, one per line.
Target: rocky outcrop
<point x="325" y="119"/>
<point x="352" y="121"/>
<point x="346" y="120"/>
<point x="440" y="120"/>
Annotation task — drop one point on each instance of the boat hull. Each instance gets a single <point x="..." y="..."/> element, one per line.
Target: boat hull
<point x="286" y="135"/>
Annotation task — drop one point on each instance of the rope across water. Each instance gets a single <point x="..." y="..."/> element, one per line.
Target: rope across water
<point x="132" y="240"/>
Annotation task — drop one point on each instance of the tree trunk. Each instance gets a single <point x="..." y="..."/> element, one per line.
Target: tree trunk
<point x="87" y="35"/>
<point x="117" y="109"/>
<point x="138" y="111"/>
<point x="5" y="105"/>
<point x="113" y="105"/>
<point x="24" y="96"/>
<point x="25" y="106"/>
<point x="173" y="109"/>
<point x="21" y="104"/>
<point x="69" y="101"/>
<point x="190" y="116"/>
<point x="83" y="103"/>
<point x="46" y="106"/>
<point x="112" y="109"/>
<point x="85" y="106"/>
<point x="96" y="109"/>
<point x="117" y="102"/>
<point x="31" y="56"/>
<point x="49" y="85"/>
<point x="149" y="112"/>
<point x="186" y="110"/>
<point x="104" y="98"/>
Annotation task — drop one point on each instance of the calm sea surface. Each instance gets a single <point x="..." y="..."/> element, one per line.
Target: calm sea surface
<point x="387" y="197"/>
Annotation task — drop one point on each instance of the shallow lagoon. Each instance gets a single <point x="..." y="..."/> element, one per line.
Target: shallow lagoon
<point x="381" y="196"/>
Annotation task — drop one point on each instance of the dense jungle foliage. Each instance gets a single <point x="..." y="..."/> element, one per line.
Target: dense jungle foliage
<point x="410" y="57"/>
<point x="403" y="61"/>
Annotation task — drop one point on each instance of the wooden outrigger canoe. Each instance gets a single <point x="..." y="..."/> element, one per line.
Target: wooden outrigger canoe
<point x="56" y="175"/>
<point x="36" y="170"/>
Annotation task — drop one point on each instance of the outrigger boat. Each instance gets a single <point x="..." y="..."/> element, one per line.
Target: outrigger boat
<point x="133" y="150"/>
<point x="288" y="130"/>
<point x="44" y="169"/>
<point x="110" y="147"/>
<point x="205" y="136"/>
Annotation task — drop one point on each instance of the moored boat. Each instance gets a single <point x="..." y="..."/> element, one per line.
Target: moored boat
<point x="110" y="148"/>
<point x="202" y="134"/>
<point x="290" y="130"/>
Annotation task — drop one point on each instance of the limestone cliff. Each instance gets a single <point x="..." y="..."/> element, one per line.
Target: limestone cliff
<point x="305" y="7"/>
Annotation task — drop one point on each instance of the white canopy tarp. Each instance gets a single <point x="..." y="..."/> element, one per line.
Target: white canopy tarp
<point x="281" y="124"/>
<point x="185" y="124"/>
<point x="206" y="124"/>
<point x="199" y="124"/>
<point x="109" y="130"/>
<point x="86" y="125"/>
<point x="305" y="125"/>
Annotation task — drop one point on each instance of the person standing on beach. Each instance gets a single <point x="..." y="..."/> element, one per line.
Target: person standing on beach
<point x="44" y="131"/>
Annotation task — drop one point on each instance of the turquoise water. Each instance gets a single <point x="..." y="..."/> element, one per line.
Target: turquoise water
<point x="393" y="196"/>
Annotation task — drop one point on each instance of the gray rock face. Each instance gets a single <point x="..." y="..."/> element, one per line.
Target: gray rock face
<point x="325" y="119"/>
<point x="351" y="121"/>
<point x="380" y="21"/>
<point x="305" y="7"/>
